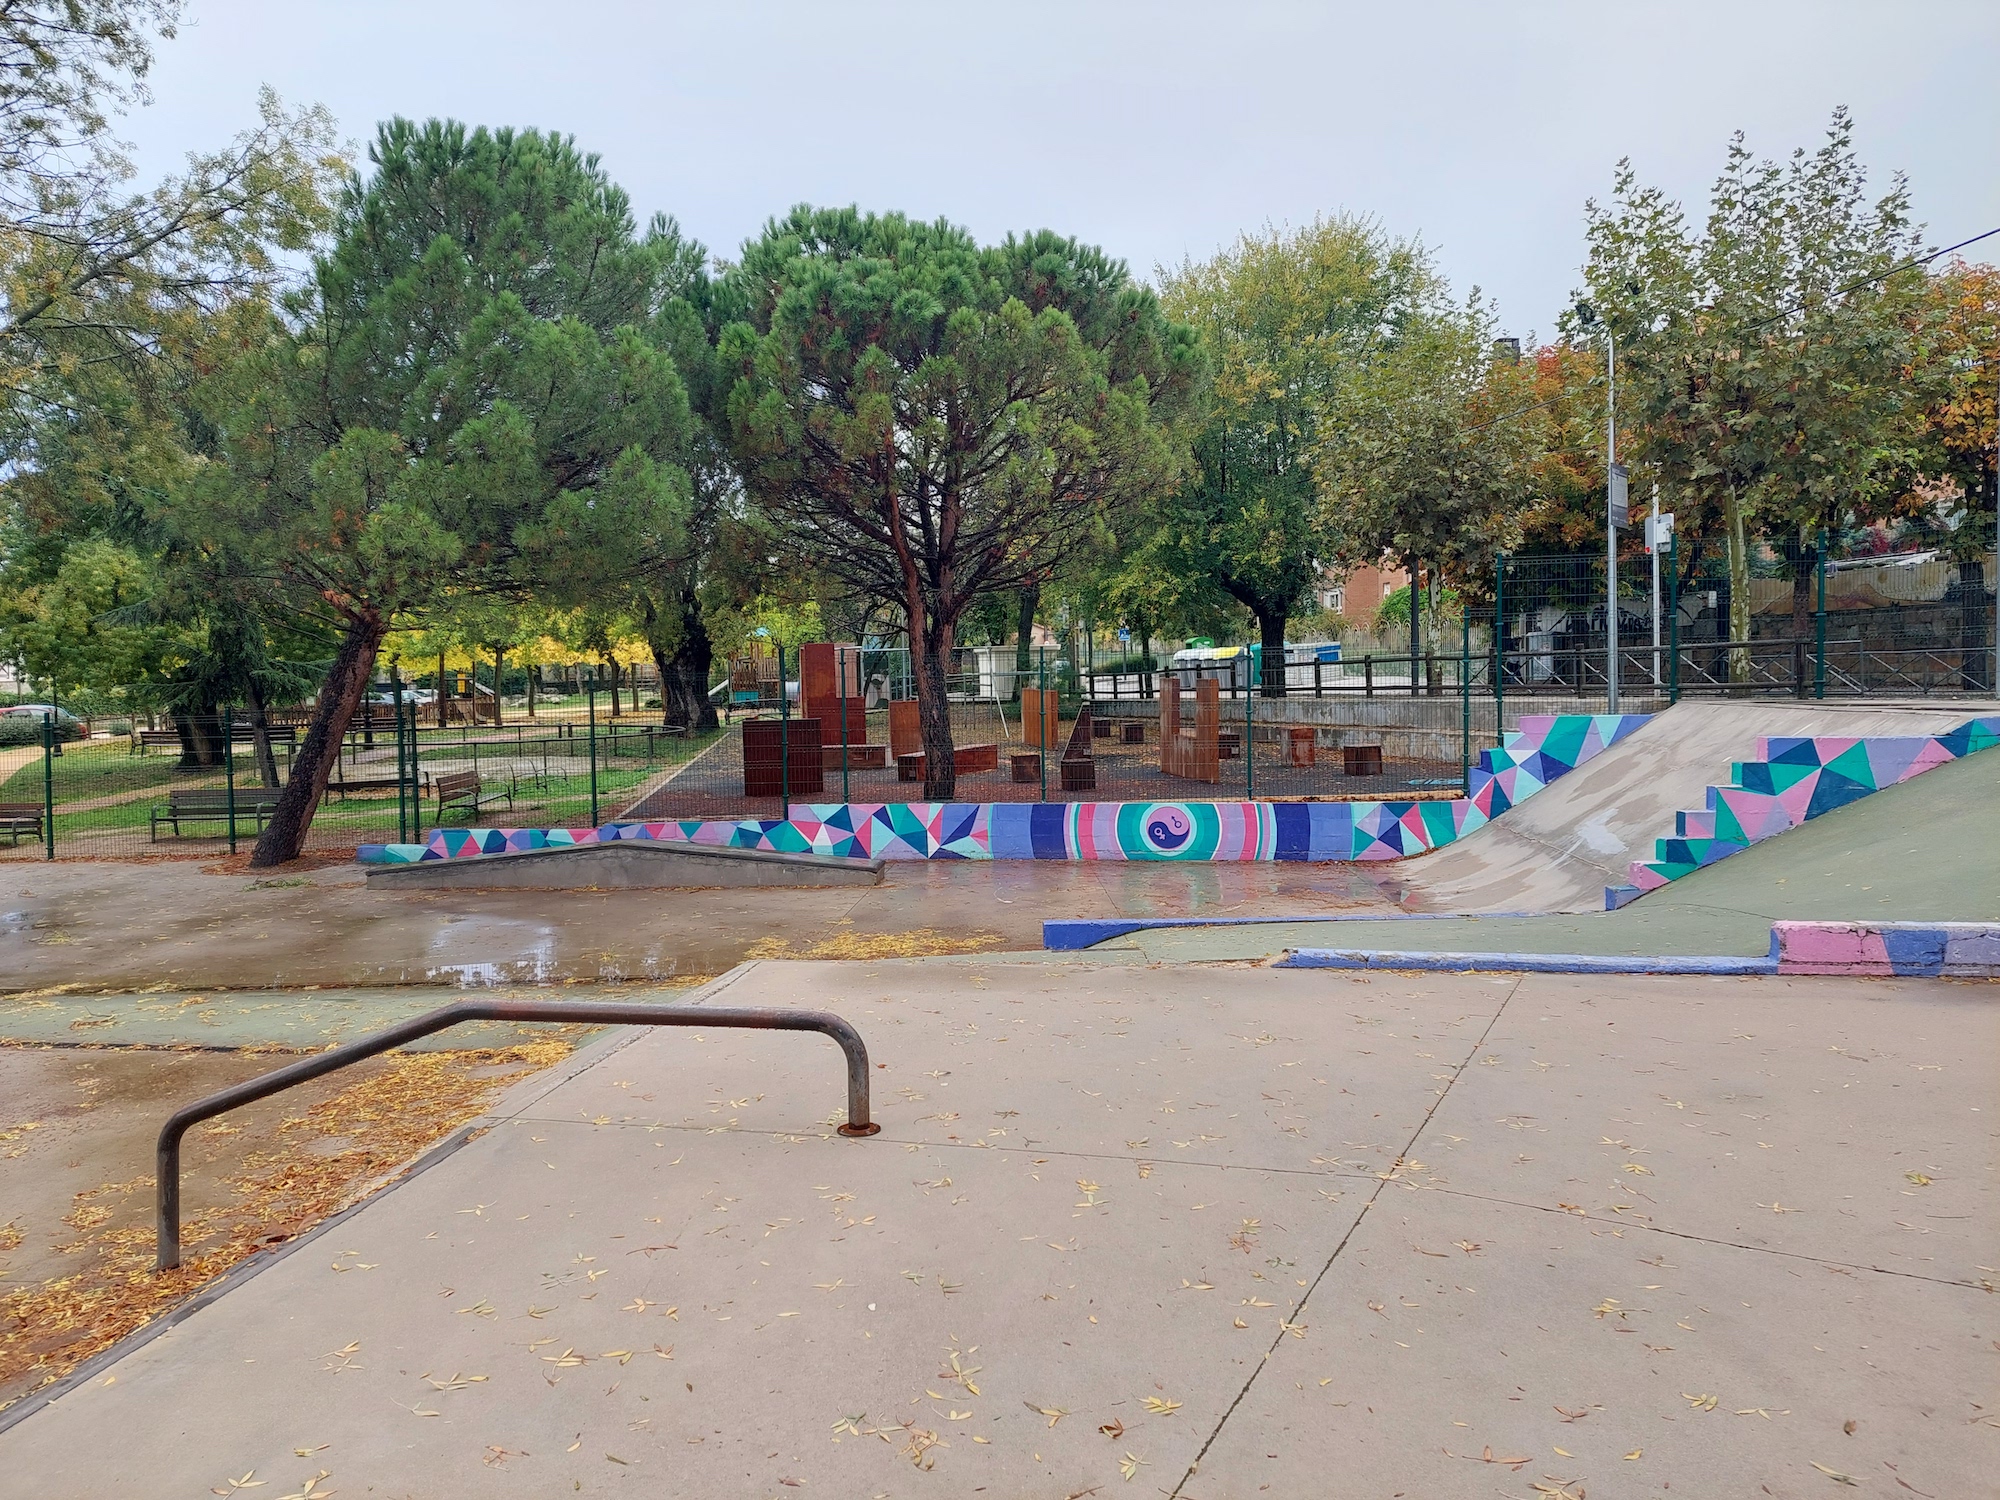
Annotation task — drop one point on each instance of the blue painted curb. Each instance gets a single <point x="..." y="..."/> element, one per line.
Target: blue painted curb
<point x="1518" y="963"/>
<point x="1074" y="934"/>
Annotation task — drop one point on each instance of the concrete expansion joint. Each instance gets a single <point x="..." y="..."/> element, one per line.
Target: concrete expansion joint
<point x="1381" y="1185"/>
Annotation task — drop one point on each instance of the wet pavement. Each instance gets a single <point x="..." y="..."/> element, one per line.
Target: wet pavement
<point x="181" y="926"/>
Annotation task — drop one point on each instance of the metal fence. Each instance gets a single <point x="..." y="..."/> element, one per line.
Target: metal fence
<point x="1532" y="639"/>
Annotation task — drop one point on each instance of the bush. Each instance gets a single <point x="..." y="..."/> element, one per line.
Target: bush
<point x="20" y="729"/>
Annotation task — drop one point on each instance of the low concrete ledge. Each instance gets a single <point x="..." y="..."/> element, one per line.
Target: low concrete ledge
<point x="628" y="864"/>
<point x="1941" y="950"/>
<point x="1519" y="963"/>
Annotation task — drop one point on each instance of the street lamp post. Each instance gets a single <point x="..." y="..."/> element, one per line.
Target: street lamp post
<point x="1615" y="514"/>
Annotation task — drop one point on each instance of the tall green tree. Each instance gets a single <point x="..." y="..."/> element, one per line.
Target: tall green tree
<point x="936" y="420"/>
<point x="1763" y="357"/>
<point x="1427" y="462"/>
<point x="1290" y="319"/>
<point x="468" y="402"/>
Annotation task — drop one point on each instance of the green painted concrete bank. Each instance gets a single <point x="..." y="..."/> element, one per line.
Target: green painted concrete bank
<point x="1928" y="850"/>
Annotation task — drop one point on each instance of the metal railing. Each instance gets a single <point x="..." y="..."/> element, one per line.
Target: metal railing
<point x="608" y="1013"/>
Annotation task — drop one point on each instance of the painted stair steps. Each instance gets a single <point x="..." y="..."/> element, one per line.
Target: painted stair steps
<point x="1792" y="780"/>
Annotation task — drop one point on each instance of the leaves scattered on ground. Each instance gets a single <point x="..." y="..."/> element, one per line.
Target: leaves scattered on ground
<point x="921" y="942"/>
<point x="323" y="1159"/>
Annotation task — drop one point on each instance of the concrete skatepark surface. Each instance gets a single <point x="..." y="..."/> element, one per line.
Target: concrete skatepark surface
<point x="1442" y="1236"/>
<point x="184" y="925"/>
<point x="1558" y="850"/>
<point x="1924" y="850"/>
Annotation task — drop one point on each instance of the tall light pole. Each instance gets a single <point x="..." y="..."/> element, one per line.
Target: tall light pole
<point x="1615" y="515"/>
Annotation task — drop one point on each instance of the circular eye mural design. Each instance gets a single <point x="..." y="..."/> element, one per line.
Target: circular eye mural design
<point x="1168" y="830"/>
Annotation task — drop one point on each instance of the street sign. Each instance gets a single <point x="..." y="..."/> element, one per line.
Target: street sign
<point x="1124" y="635"/>
<point x="1621" y="510"/>
<point x="1658" y="529"/>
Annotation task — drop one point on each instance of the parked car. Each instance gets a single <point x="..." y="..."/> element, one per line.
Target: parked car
<point x="422" y="697"/>
<point x="68" y="725"/>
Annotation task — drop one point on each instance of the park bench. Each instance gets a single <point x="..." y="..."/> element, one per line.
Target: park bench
<point x="21" y="819"/>
<point x="211" y="805"/>
<point x="467" y="789"/>
<point x="281" y="735"/>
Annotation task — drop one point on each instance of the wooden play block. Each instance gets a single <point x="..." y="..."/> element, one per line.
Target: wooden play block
<point x="1132" y="732"/>
<point x="859" y="757"/>
<point x="966" y="760"/>
<point x="906" y="736"/>
<point x="781" y="756"/>
<point x="1361" y="760"/>
<point x="1027" y="766"/>
<point x="1301" y="745"/>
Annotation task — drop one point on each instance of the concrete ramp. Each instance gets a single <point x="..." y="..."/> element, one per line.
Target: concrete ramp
<point x="1559" y="850"/>
<point x="628" y="864"/>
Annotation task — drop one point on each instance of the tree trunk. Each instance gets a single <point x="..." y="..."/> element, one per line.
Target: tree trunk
<point x="499" y="665"/>
<point x="934" y="712"/>
<point x="1976" y="657"/>
<point x="1271" y="627"/>
<point x="260" y="738"/>
<point x="443" y="694"/>
<point x="534" y="671"/>
<point x="201" y="746"/>
<point x="1026" y="603"/>
<point x="1415" y="571"/>
<point x="341" y="693"/>
<point x="684" y="674"/>
<point x="1739" y="589"/>
<point x="1802" y="590"/>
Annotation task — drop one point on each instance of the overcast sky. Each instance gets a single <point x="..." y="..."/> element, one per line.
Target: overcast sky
<point x="1156" y="130"/>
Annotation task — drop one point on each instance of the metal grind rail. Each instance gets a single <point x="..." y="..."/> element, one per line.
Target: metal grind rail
<point x="608" y="1013"/>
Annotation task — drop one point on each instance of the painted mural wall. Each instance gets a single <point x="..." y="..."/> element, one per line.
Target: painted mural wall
<point x="1544" y="748"/>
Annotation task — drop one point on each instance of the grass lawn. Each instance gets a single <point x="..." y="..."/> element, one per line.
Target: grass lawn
<point x="99" y="768"/>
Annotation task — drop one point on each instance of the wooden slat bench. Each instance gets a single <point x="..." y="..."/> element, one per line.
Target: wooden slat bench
<point x="21" y="819"/>
<point x="211" y="805"/>
<point x="145" y="739"/>
<point x="466" y="789"/>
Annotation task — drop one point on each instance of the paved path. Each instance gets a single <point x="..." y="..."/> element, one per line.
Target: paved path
<point x="1210" y="1233"/>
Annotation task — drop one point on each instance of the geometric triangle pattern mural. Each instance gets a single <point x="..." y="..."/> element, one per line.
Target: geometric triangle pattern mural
<point x="1793" y="780"/>
<point x="1544" y="747"/>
